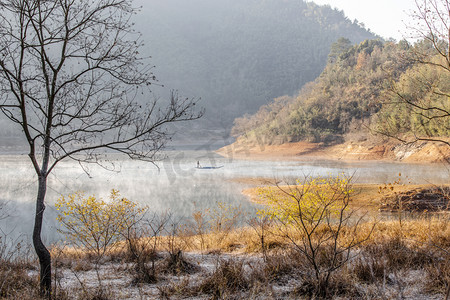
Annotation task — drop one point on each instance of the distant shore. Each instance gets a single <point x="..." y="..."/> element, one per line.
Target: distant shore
<point x="423" y="152"/>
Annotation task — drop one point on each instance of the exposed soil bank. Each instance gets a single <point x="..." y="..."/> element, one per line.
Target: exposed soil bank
<point x="424" y="152"/>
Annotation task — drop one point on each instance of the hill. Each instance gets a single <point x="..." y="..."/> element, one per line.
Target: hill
<point x="239" y="54"/>
<point x="235" y="55"/>
<point x="361" y="91"/>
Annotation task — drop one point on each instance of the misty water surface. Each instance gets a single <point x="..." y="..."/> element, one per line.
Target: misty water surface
<point x="177" y="185"/>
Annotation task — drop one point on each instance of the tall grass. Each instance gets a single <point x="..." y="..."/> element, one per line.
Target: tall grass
<point x="260" y="260"/>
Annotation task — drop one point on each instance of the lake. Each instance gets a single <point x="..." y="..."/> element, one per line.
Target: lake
<point x="177" y="185"/>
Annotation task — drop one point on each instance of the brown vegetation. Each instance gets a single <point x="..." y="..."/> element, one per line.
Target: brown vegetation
<point x="382" y="267"/>
<point x="419" y="199"/>
<point x="408" y="257"/>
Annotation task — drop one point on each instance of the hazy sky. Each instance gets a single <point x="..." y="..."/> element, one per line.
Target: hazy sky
<point x="384" y="17"/>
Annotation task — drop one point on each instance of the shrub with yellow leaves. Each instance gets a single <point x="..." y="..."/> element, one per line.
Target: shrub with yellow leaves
<point x="311" y="200"/>
<point x="95" y="224"/>
<point x="314" y="216"/>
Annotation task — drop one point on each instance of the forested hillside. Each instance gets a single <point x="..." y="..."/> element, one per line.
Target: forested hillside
<point x="239" y="54"/>
<point x="235" y="55"/>
<point x="363" y="88"/>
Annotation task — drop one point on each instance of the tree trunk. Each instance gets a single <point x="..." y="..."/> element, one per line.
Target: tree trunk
<point x="43" y="254"/>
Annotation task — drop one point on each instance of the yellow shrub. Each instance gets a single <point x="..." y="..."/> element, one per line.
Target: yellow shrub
<point x="94" y="223"/>
<point x="311" y="200"/>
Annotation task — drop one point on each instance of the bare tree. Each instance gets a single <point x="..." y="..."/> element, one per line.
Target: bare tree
<point x="422" y="93"/>
<point x="432" y="24"/>
<point x="72" y="78"/>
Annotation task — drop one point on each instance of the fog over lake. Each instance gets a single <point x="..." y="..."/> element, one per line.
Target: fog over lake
<point x="177" y="186"/>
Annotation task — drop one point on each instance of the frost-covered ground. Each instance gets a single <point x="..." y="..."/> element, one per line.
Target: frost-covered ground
<point x="116" y="279"/>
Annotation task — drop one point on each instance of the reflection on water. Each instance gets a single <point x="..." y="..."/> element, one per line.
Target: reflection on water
<point x="178" y="185"/>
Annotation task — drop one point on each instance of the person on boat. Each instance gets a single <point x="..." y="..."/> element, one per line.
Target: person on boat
<point x="198" y="164"/>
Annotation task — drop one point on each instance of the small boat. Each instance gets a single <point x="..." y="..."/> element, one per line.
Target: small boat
<point x="209" y="168"/>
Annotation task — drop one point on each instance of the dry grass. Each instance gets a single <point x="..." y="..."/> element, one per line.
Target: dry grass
<point x="438" y="276"/>
<point x="254" y="262"/>
<point x="228" y="278"/>
<point x="431" y="232"/>
<point x="416" y="245"/>
<point x="14" y="280"/>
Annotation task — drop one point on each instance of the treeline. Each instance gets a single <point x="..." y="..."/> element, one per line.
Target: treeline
<point x="362" y="88"/>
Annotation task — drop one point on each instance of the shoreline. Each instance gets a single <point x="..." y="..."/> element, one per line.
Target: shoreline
<point x="425" y="152"/>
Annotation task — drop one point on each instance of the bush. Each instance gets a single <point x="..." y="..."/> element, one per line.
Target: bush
<point x="176" y="264"/>
<point x="314" y="216"/>
<point x="228" y="278"/>
<point x="437" y="278"/>
<point x="15" y="281"/>
<point x="397" y="254"/>
<point x="95" y="224"/>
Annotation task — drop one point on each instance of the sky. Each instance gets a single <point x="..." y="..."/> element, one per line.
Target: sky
<point x="386" y="18"/>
